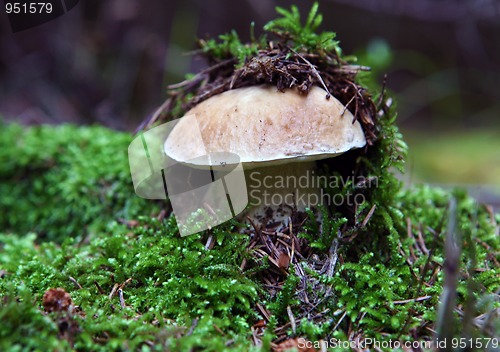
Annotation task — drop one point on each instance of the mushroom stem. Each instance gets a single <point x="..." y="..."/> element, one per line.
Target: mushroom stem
<point x="277" y="192"/>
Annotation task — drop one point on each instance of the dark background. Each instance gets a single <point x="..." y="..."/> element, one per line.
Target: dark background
<point x="109" y="61"/>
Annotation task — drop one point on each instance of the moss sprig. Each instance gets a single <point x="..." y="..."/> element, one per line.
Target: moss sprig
<point x="304" y="37"/>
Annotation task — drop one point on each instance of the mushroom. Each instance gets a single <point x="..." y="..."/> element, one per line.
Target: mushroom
<point x="278" y="136"/>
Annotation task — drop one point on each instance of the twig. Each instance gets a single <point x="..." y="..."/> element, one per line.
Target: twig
<point x="340" y="321"/>
<point x="113" y="291"/>
<point x="418" y="299"/>
<point x="421" y="242"/>
<point x="125" y="283"/>
<point x="409" y="233"/>
<point x="316" y="73"/>
<point x="347" y="105"/>
<point x="369" y="215"/>
<point x="193" y="326"/>
<point x="451" y="267"/>
<point x="218" y="329"/>
<point x="210" y="242"/>
<point x="99" y="288"/>
<point x="292" y="319"/>
<point x="73" y="280"/>
<point x="263" y="311"/>
<point x="122" y="300"/>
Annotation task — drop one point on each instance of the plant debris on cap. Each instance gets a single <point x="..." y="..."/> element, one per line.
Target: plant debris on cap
<point x="315" y="128"/>
<point x="298" y="58"/>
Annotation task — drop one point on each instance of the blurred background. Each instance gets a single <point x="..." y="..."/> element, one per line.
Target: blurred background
<point x="109" y="61"/>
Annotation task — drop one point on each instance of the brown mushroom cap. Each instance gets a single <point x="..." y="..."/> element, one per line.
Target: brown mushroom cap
<point x="264" y="126"/>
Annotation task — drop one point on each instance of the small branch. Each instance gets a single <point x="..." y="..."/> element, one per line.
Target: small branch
<point x="73" y="280"/>
<point x="122" y="300"/>
<point x="445" y="319"/>
<point x="315" y="72"/>
<point x="113" y="291"/>
<point x="193" y="326"/>
<point x="292" y="319"/>
<point x="99" y="288"/>
<point x="418" y="299"/>
<point x="369" y="215"/>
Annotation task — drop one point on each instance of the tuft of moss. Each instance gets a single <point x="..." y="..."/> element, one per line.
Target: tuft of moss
<point x="65" y="181"/>
<point x="304" y="37"/>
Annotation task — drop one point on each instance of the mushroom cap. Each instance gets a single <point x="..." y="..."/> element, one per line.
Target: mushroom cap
<point x="264" y="126"/>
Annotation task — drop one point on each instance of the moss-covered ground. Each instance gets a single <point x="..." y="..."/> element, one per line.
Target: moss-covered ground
<point x="70" y="219"/>
<point x="404" y="265"/>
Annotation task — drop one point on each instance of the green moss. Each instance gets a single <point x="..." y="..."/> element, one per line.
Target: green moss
<point x="229" y="45"/>
<point x="64" y="188"/>
<point x="64" y="181"/>
<point x="176" y="281"/>
<point x="303" y="37"/>
<point x="22" y="326"/>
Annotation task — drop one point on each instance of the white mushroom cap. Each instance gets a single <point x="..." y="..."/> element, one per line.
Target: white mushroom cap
<point x="264" y="127"/>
